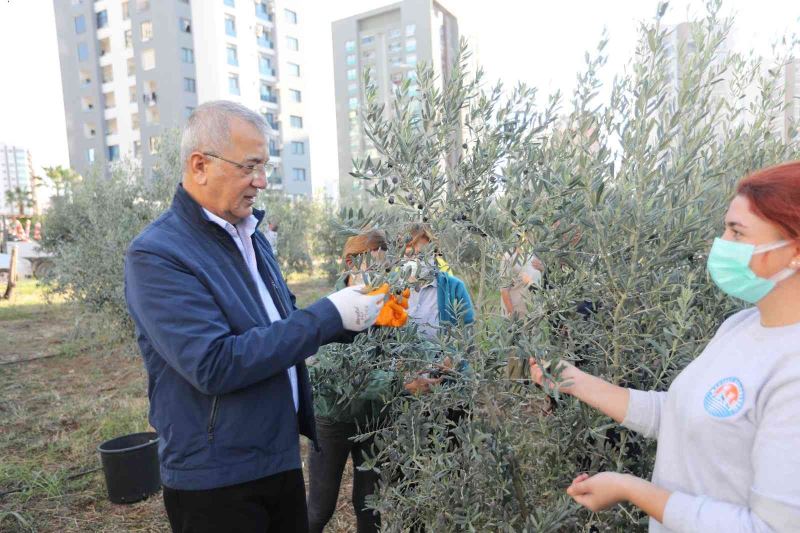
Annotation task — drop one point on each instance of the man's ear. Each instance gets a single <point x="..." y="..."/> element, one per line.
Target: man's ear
<point x="197" y="168"/>
<point x="348" y="261"/>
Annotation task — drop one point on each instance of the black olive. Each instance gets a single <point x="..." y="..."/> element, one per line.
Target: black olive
<point x="464" y="146"/>
<point x="419" y="206"/>
<point x="389" y="165"/>
<point x="394" y="179"/>
<point x="391" y="199"/>
<point x="463" y="216"/>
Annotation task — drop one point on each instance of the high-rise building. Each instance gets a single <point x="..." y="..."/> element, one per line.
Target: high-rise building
<point x="132" y="69"/>
<point x="787" y="122"/>
<point x="390" y="42"/>
<point x="16" y="175"/>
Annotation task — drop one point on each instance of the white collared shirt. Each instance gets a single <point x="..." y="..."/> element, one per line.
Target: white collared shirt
<point x="242" y="234"/>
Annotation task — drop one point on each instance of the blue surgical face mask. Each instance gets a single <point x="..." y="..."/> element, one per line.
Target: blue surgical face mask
<point x="729" y="267"/>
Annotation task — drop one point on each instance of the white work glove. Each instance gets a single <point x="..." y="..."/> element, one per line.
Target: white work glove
<point x="358" y="311"/>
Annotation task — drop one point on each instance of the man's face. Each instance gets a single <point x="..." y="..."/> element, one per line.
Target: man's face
<point x="230" y="191"/>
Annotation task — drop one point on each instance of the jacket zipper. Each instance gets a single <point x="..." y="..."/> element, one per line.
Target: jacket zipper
<point x="213" y="417"/>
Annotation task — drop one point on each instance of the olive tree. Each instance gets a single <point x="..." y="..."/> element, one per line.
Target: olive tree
<point x="620" y="198"/>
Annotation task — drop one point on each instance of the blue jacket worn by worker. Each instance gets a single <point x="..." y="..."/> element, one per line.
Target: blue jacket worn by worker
<point x="220" y="396"/>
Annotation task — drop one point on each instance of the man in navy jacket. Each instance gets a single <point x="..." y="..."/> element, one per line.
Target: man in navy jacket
<point x="222" y="341"/>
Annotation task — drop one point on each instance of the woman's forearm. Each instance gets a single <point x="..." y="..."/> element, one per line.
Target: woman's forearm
<point x="648" y="497"/>
<point x="610" y="399"/>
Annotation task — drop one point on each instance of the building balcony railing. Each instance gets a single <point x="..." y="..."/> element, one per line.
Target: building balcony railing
<point x="265" y="43"/>
<point x="264" y="15"/>
<point x="150" y="98"/>
<point x="274" y="152"/>
<point x="270" y="72"/>
<point x="271" y="98"/>
<point x="274" y="125"/>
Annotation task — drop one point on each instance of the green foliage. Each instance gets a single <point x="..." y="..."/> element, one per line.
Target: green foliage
<point x="88" y="231"/>
<point x="619" y="197"/>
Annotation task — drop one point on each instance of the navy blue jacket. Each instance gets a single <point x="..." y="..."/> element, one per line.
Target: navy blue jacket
<point x="220" y="397"/>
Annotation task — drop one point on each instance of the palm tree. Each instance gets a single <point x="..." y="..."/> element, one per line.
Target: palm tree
<point x="22" y="198"/>
<point x="62" y="179"/>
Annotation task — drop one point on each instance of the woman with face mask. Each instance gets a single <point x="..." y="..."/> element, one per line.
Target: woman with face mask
<point x="728" y="428"/>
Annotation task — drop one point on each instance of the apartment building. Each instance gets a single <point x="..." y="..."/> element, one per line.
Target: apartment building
<point x="133" y="69"/>
<point x="390" y="42"/>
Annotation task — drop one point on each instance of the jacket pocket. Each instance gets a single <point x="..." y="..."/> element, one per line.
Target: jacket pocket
<point x="212" y="417"/>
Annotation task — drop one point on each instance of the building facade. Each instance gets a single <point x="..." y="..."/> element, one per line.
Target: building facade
<point x="389" y="42"/>
<point x="133" y="69"/>
<point x="16" y="175"/>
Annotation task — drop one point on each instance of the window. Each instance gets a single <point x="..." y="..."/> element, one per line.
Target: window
<point x="350" y="46"/>
<point x="352" y="88"/>
<point x="150" y="95"/>
<point x="262" y="12"/>
<point x="299" y="174"/>
<point x="102" y="19"/>
<point x="411" y="45"/>
<point x="265" y="65"/>
<point x="273" y="148"/>
<point x="296" y="95"/>
<point x="113" y="152"/>
<point x="87" y="104"/>
<point x="233" y="84"/>
<point x="90" y="155"/>
<point x="262" y="37"/>
<point x="230" y="25"/>
<point x="230" y="3"/>
<point x="105" y="46"/>
<point x="291" y="16"/>
<point x="352" y="103"/>
<point x="107" y="74"/>
<point x="369" y="54"/>
<point x="351" y="74"/>
<point x="110" y="100"/>
<point x="294" y="69"/>
<point x="89" y="131"/>
<point x="111" y="126"/>
<point x="185" y="25"/>
<point x="132" y="94"/>
<point x="298" y="148"/>
<point x="135" y="121"/>
<point x="395" y="47"/>
<point x="83" y="52"/>
<point x="189" y="85"/>
<point x="137" y="149"/>
<point x="131" y="66"/>
<point x="155" y="143"/>
<point x="149" y="59"/>
<point x="187" y="112"/>
<point x="128" y="38"/>
<point x="411" y="59"/>
<point x="396" y="61"/>
<point x="126" y="11"/>
<point x="295" y="121"/>
<point x="152" y="115"/>
<point x="187" y="55"/>
<point x="265" y="92"/>
<point x="80" y="24"/>
<point x="351" y="60"/>
<point x="147" y="31"/>
<point x="395" y="33"/>
<point x="233" y="57"/>
<point x="411" y="29"/>
<point x="367" y="39"/>
<point x="293" y="43"/>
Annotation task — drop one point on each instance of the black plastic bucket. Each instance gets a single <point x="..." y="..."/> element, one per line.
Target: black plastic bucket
<point x="130" y="464"/>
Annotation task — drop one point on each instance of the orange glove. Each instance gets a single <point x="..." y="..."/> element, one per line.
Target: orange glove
<point x="393" y="314"/>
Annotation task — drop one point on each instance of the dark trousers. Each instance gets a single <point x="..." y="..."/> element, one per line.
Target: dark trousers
<point x="274" y="504"/>
<point x="325" y="475"/>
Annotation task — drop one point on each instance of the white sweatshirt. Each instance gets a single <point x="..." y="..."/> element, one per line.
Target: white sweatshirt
<point x="728" y="432"/>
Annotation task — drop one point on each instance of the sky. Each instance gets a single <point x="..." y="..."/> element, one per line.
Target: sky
<point x="540" y="42"/>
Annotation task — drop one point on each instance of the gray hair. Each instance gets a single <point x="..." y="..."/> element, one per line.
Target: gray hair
<point x="208" y="127"/>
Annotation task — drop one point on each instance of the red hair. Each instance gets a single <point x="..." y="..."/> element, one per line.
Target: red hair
<point x="774" y="194"/>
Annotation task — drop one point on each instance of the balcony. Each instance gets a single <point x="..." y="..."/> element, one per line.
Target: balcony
<point x="274" y="153"/>
<point x="269" y="98"/>
<point x="267" y="72"/>
<point x="274" y="126"/>
<point x="263" y="42"/>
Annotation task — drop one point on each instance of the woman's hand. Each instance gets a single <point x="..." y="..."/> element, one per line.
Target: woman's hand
<point x="568" y="376"/>
<point x="421" y="384"/>
<point x="600" y="491"/>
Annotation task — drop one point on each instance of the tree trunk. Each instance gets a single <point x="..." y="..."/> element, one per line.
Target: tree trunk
<point x="12" y="274"/>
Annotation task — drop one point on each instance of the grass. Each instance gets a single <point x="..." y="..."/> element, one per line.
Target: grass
<point x="62" y="394"/>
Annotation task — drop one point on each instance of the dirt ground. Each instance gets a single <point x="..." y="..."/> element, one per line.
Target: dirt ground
<point x="61" y="394"/>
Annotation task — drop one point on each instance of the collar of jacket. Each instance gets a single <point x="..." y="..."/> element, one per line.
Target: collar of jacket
<point x="188" y="209"/>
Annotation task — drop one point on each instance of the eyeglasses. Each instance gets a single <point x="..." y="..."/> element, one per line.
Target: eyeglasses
<point x="251" y="170"/>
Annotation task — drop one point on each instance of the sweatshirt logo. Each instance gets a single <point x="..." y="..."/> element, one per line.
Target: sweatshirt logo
<point x="725" y="398"/>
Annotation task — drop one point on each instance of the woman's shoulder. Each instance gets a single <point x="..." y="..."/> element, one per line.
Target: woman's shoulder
<point x="738" y="318"/>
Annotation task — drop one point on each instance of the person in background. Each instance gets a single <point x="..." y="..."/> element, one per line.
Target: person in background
<point x="727" y="428"/>
<point x="272" y="236"/>
<point x="338" y="419"/>
<point x="223" y="343"/>
<point x="525" y="274"/>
